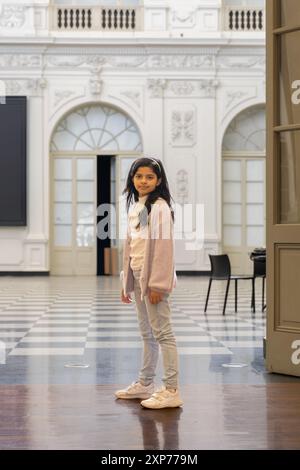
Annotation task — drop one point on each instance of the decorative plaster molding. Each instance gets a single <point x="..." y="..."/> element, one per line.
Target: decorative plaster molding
<point x="62" y="95"/>
<point x="12" y="16"/>
<point x="183" y="124"/>
<point x="59" y="96"/>
<point x="197" y="88"/>
<point x="234" y="97"/>
<point x="183" y="18"/>
<point x="28" y="87"/>
<point x="96" y="61"/>
<point x="13" y="87"/>
<point x="166" y="61"/>
<point x="182" y="186"/>
<point x="65" y="60"/>
<point x="157" y="86"/>
<point x="134" y="96"/>
<point x="182" y="87"/>
<point x="181" y="61"/>
<point x="209" y="87"/>
<point x="241" y="62"/>
<point x="96" y="84"/>
<point x="20" y="60"/>
<point x="123" y="61"/>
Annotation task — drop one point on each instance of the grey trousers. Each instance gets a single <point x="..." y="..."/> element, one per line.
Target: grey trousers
<point x="156" y="329"/>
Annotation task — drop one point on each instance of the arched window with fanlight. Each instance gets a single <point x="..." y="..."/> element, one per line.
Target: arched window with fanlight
<point x="91" y="150"/>
<point x="243" y="187"/>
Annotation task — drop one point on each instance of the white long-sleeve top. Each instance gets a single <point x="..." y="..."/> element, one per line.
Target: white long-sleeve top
<point x="138" y="235"/>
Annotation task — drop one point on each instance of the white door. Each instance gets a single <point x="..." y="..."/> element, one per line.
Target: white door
<point x="243" y="210"/>
<point x="124" y="163"/>
<point x="73" y="215"/>
<point x="94" y="129"/>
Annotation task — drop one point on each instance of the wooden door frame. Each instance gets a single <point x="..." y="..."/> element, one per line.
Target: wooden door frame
<point x="280" y="236"/>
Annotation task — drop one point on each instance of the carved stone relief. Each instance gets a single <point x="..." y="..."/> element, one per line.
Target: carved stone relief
<point x="183" y="126"/>
<point x="20" y="60"/>
<point x="157" y="86"/>
<point x="181" y="61"/>
<point x="182" y="187"/>
<point x="65" y="61"/>
<point x="241" y="62"/>
<point x="234" y="96"/>
<point x="134" y="96"/>
<point x="126" y="61"/>
<point x="204" y="88"/>
<point x="208" y="87"/>
<point x="59" y="96"/>
<point x="28" y="87"/>
<point x="182" y="87"/>
<point x="96" y="85"/>
<point x="183" y="18"/>
<point x="159" y="61"/>
<point x="12" y="16"/>
<point x="95" y="82"/>
<point x="62" y="95"/>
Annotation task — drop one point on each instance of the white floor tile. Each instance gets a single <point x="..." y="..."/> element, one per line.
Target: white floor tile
<point x="114" y="344"/>
<point x="204" y="350"/>
<point x="53" y="329"/>
<point x="239" y="334"/>
<point x="51" y="339"/>
<point x="47" y="352"/>
<point x="12" y="334"/>
<point x="56" y="321"/>
<point x="243" y="344"/>
<point x="113" y="334"/>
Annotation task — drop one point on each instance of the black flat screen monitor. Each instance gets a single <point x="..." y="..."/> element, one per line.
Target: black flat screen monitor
<point x="13" y="161"/>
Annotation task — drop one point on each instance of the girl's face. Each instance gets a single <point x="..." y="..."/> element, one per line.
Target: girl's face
<point x="145" y="180"/>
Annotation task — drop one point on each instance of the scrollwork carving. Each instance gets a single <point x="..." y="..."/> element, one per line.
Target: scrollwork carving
<point x="183" y="127"/>
<point x="133" y="96"/>
<point x="234" y="96"/>
<point x="182" y="88"/>
<point x="182" y="186"/>
<point x="209" y="87"/>
<point x="60" y="95"/>
<point x="183" y="18"/>
<point x="20" y="60"/>
<point x="12" y="16"/>
<point x="157" y="86"/>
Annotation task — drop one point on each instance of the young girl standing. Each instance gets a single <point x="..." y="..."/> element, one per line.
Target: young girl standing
<point x="148" y="263"/>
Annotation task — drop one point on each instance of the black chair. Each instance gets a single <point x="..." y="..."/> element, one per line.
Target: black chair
<point x="221" y="271"/>
<point x="259" y="270"/>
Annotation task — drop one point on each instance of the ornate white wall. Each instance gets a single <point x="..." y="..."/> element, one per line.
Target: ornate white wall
<point x="182" y="86"/>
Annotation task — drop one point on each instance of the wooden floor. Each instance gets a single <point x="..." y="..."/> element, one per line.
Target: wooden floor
<point x="88" y="417"/>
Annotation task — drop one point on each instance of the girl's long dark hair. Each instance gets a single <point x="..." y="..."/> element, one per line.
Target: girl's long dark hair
<point x="162" y="190"/>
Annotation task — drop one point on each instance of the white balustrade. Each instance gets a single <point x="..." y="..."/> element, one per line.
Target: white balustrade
<point x="244" y="19"/>
<point x="96" y="18"/>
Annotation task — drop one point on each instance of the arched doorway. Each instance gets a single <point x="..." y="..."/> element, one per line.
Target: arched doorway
<point x="243" y="181"/>
<point x="91" y="150"/>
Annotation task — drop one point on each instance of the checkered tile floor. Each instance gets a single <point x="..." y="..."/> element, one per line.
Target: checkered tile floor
<point x="69" y="316"/>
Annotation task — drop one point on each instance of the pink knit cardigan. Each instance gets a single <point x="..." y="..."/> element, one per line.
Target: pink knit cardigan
<point x="158" y="271"/>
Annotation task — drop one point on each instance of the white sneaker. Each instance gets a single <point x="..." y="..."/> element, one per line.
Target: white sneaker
<point x="163" y="398"/>
<point x="135" y="390"/>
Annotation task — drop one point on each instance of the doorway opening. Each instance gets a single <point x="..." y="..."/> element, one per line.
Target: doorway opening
<point x="105" y="222"/>
<point x="81" y="181"/>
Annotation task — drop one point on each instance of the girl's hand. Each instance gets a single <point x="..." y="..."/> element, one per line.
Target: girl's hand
<point x="155" y="297"/>
<point x="126" y="299"/>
